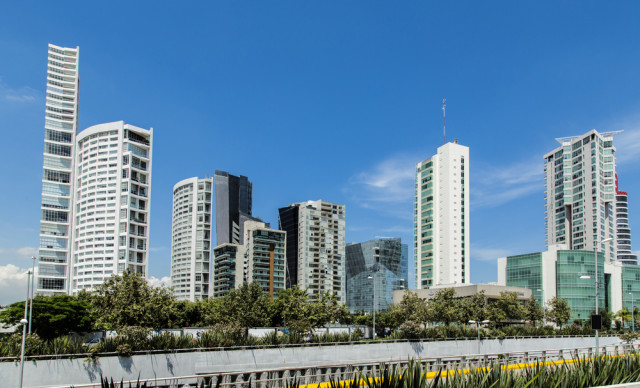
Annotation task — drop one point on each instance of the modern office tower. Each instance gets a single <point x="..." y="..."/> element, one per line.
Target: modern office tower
<point x="441" y="218"/>
<point x="558" y="271"/>
<point x="191" y="239"/>
<point x="580" y="192"/>
<point x="260" y="260"/>
<point x="233" y="206"/>
<point x="61" y="122"/>
<point x="374" y="269"/>
<point x="316" y="262"/>
<point x="112" y="196"/>
<point x="623" y="231"/>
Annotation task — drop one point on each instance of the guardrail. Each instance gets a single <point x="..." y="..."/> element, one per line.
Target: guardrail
<point x="306" y="344"/>
<point x="304" y="375"/>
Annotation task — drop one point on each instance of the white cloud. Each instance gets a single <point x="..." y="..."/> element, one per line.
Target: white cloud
<point x="492" y="186"/>
<point x="628" y="145"/>
<point x="164" y="281"/>
<point x="391" y="180"/>
<point x="13" y="283"/>
<point x="488" y="254"/>
<point x="24" y="94"/>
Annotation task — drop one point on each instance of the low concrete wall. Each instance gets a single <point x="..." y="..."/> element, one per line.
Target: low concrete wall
<point x="45" y="373"/>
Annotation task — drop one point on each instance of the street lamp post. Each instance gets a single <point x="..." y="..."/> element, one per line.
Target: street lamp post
<point x="544" y="310"/>
<point x="24" y="322"/>
<point x="595" y="257"/>
<point x="478" y="326"/>
<point x="633" y="322"/>
<point x="373" y="280"/>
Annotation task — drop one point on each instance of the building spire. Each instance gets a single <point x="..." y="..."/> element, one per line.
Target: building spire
<point x="444" y="121"/>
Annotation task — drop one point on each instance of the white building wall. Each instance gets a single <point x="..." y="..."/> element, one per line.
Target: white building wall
<point x="191" y="239"/>
<point x="445" y="193"/>
<point x="111" y="203"/>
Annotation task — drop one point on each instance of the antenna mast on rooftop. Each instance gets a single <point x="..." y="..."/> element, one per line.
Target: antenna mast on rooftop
<point x="444" y="121"/>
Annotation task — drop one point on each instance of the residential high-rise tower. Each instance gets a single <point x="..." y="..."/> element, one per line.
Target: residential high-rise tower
<point x="580" y="192"/>
<point x="316" y="262"/>
<point x="623" y="231"/>
<point x="61" y="123"/>
<point x="441" y="218"/>
<point x="191" y="239"/>
<point x="261" y="259"/>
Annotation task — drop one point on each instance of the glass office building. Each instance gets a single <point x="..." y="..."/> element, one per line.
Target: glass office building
<point x="381" y="264"/>
<point x="570" y="275"/>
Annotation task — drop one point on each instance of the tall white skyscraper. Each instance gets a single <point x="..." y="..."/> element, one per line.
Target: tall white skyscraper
<point x="191" y="239"/>
<point x="580" y="192"/>
<point x="112" y="196"/>
<point x="441" y="218"/>
<point x="61" y="121"/>
<point x="315" y="246"/>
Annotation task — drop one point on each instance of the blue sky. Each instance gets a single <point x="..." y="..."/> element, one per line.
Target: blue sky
<point x="328" y="100"/>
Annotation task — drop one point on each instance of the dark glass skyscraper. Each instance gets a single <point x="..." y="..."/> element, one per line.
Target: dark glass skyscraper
<point x="233" y="206"/>
<point x="381" y="261"/>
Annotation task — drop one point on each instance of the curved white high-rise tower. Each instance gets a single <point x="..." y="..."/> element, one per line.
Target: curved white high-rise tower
<point x="61" y="121"/>
<point x="623" y="231"/>
<point x="191" y="239"/>
<point x="111" y="203"/>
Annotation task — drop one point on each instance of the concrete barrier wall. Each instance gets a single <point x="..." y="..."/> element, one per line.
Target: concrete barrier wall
<point x="46" y="373"/>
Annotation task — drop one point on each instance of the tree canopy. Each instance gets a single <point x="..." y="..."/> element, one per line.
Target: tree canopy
<point x="53" y="316"/>
<point x="558" y="311"/>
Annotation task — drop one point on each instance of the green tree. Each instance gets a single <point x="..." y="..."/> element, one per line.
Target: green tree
<point x="53" y="316"/>
<point x="558" y="311"/>
<point x="247" y="306"/>
<point x="506" y="307"/>
<point x="444" y="307"/>
<point x="410" y="308"/>
<point x="328" y="309"/>
<point x="474" y="308"/>
<point x="128" y="300"/>
<point x="293" y="310"/>
<point x="533" y="311"/>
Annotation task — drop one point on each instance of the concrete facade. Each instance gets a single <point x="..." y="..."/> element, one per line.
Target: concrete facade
<point x="65" y="372"/>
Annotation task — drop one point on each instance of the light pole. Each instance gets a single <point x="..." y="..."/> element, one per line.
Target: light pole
<point x="24" y="322"/>
<point x="32" y="292"/>
<point x="544" y="310"/>
<point x="633" y="322"/>
<point x="478" y="326"/>
<point x="595" y="257"/>
<point x="373" y="280"/>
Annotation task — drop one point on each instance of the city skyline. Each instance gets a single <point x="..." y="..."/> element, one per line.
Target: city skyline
<point x="282" y="96"/>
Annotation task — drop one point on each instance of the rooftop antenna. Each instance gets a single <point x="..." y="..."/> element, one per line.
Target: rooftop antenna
<point x="444" y="121"/>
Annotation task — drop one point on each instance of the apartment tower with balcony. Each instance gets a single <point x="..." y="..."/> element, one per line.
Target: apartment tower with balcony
<point x="580" y="193"/>
<point x="191" y="239"/>
<point x="112" y="196"/>
<point x="260" y="259"/>
<point x="316" y="260"/>
<point x="60" y="127"/>
<point x="623" y="231"/>
<point x="441" y="218"/>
